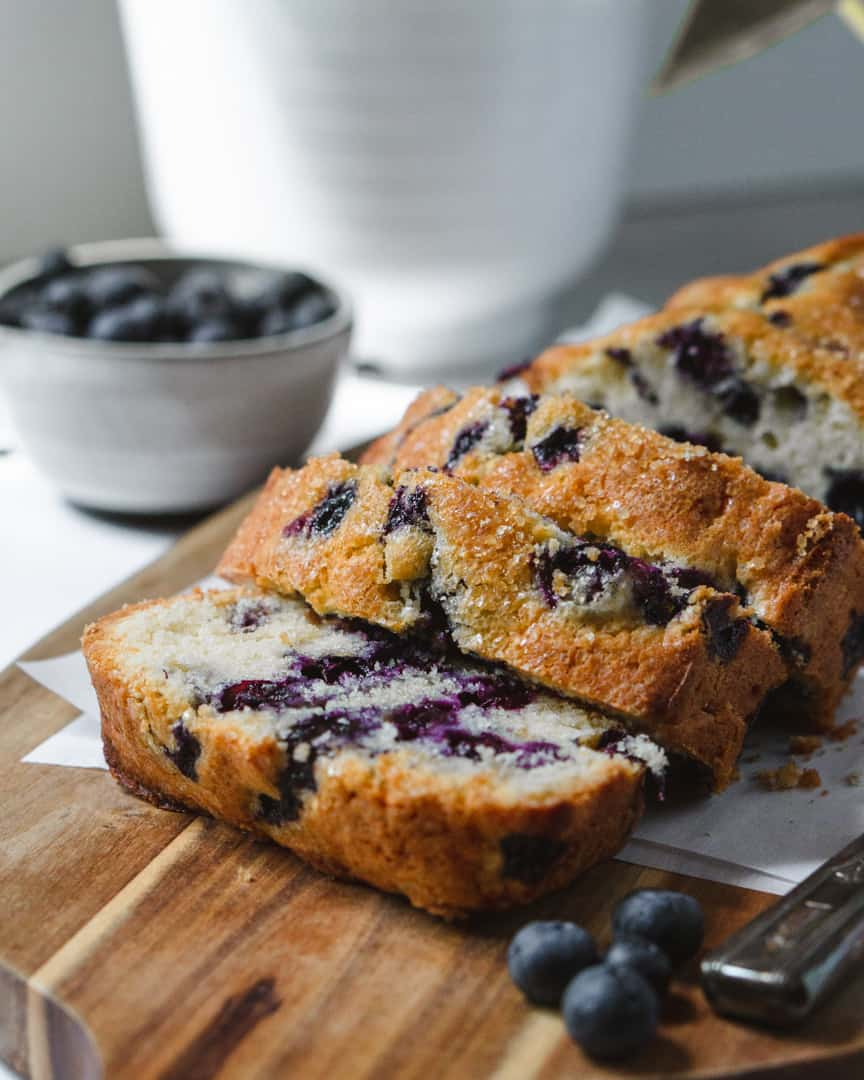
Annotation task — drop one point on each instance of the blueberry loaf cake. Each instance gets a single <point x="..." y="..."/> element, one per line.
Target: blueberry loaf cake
<point x="769" y="367"/>
<point x="798" y="566"/>
<point x="370" y="756"/>
<point x="653" y="643"/>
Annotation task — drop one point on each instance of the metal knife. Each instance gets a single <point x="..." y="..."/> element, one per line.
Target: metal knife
<point x="779" y="967"/>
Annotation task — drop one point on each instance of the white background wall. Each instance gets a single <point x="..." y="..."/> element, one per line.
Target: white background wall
<point x="69" y="166"/>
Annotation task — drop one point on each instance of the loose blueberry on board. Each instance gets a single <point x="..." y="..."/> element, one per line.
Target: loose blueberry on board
<point x="672" y="920"/>
<point x="544" y="956"/>
<point x="610" y="1012"/>
<point x="644" y="957"/>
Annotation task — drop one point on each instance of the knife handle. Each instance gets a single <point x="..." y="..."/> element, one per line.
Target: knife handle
<point x="780" y="966"/>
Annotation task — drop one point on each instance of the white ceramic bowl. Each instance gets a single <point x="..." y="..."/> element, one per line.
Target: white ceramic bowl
<point x="161" y="428"/>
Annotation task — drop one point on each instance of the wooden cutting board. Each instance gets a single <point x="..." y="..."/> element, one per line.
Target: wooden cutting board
<point x="139" y="943"/>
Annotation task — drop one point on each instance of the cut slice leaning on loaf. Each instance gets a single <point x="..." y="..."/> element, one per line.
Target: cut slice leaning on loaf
<point x="372" y="757"/>
<point x="769" y="366"/>
<point x="653" y="643"/>
<point x="798" y="566"/>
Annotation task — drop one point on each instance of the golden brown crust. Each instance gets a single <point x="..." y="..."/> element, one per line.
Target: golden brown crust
<point x="432" y="402"/>
<point x="797" y="348"/>
<point x="802" y="568"/>
<point x="477" y="559"/>
<point x="447" y="846"/>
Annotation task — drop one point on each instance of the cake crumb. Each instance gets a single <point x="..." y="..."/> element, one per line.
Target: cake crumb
<point x="782" y="779"/>
<point x="853" y="779"/>
<point x="789" y="776"/>
<point x="810" y="778"/>
<point x="805" y="744"/>
<point x="843" y="731"/>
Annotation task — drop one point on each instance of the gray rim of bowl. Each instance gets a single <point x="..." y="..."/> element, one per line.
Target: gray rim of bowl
<point x="111" y="251"/>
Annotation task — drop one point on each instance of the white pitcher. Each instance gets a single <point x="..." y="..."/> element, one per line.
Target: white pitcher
<point x="454" y="164"/>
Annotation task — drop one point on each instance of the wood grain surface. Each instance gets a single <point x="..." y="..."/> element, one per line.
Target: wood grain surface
<point x="139" y="943"/>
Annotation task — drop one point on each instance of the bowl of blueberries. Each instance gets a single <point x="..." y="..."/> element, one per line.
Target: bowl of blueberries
<point x="145" y="381"/>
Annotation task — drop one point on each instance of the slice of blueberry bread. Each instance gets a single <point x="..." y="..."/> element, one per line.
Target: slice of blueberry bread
<point x="654" y="643"/>
<point x="770" y="367"/>
<point x="370" y="756"/>
<point x="799" y="567"/>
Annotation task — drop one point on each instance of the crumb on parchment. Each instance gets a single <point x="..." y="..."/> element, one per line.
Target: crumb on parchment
<point x="843" y="731"/>
<point x="805" y="744"/>
<point x="853" y="779"/>
<point x="789" y="776"/>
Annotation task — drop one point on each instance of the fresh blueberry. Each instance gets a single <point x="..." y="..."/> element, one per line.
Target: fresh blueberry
<point x="644" y="957"/>
<point x="47" y="321"/>
<point x="55" y="261"/>
<point x="312" y="308"/>
<point x="199" y="296"/>
<point x="68" y="294"/>
<point x="544" y="956"/>
<point x="135" y="321"/>
<point x="285" y="290"/>
<point x="223" y="329"/>
<point x="610" y="1012"/>
<point x="672" y="920"/>
<point x="112" y="286"/>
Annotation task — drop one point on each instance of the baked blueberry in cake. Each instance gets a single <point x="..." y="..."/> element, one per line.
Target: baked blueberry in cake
<point x="393" y="760"/>
<point x="768" y="366"/>
<point x="654" y="641"/>
<point x="799" y="568"/>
